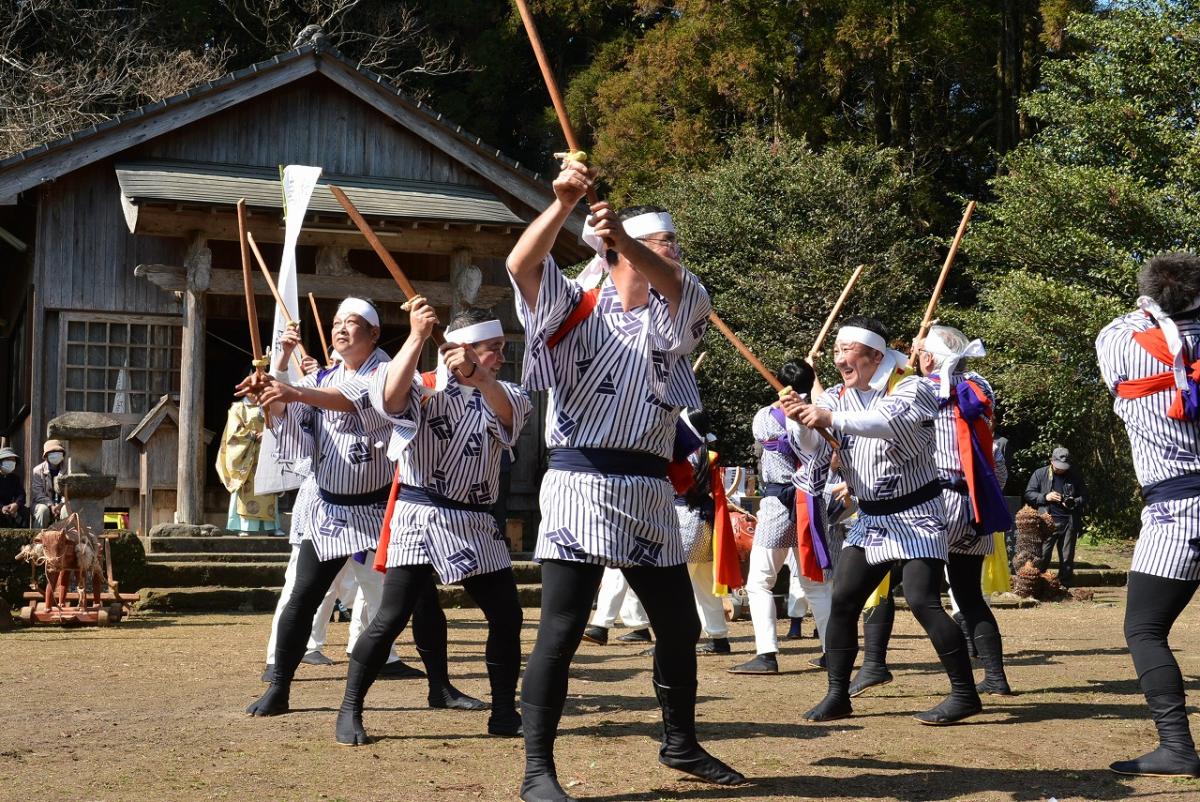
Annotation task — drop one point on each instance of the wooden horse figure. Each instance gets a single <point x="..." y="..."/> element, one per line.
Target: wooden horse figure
<point x="67" y="548"/>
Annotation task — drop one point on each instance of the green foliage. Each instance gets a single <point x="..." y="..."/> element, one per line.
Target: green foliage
<point x="1110" y="179"/>
<point x="774" y="232"/>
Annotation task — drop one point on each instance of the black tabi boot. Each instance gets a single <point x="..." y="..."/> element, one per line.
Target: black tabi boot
<point x="991" y="654"/>
<point x="963" y="701"/>
<point x="1176" y="752"/>
<point x="443" y="695"/>
<point x="680" y="749"/>
<point x="540" y="725"/>
<point x="274" y="701"/>
<point x="349" y="729"/>
<point x="836" y="704"/>
<point x="796" y="630"/>
<point x="504" y="718"/>
<point x="877" y="631"/>
<point x="965" y="628"/>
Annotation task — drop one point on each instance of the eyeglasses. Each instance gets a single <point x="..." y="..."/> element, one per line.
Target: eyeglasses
<point x="670" y="241"/>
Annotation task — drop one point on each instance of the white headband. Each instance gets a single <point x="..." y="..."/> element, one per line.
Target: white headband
<point x="357" y="306"/>
<point x="477" y="333"/>
<point x="935" y="345"/>
<point x="1170" y="334"/>
<point x="891" y="362"/>
<point x="637" y="227"/>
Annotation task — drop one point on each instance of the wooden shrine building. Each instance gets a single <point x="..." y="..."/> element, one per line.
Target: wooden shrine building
<point x="120" y="272"/>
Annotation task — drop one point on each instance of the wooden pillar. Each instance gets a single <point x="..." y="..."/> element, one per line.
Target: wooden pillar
<point x="189" y="480"/>
<point x="465" y="280"/>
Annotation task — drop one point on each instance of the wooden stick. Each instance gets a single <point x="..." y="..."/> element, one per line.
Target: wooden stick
<point x="382" y="252"/>
<point x="278" y="300"/>
<point x="699" y="361"/>
<point x="837" y="308"/>
<point x="320" y="330"/>
<point x="560" y="108"/>
<point x="927" y="321"/>
<point x="256" y="352"/>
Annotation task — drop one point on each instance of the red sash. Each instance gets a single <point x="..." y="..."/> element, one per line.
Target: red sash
<point x="587" y="302"/>
<point x="806" y="554"/>
<point x="727" y="568"/>
<point x="429" y="379"/>
<point x="1155" y="344"/>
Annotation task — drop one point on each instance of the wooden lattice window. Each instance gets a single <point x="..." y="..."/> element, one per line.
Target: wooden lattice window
<point x="118" y="365"/>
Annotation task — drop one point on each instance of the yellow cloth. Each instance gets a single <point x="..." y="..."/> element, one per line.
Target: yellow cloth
<point x="996" y="578"/>
<point x="880" y="593"/>
<point x="238" y="458"/>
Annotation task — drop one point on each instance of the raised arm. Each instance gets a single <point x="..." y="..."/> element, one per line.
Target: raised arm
<point x="664" y="275"/>
<point x="525" y="261"/>
<point x="396" y="390"/>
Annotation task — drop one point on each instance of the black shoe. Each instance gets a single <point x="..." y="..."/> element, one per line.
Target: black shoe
<point x="680" y="750"/>
<point x="541" y="779"/>
<point x="760" y="664"/>
<point x="818" y="662"/>
<point x="349" y="730"/>
<point x="1176" y="753"/>
<point x="596" y="635"/>
<point x="400" y="670"/>
<point x="796" y="630"/>
<point x="715" y="646"/>
<point x="1162" y="762"/>
<point x="963" y="701"/>
<point x="871" y="675"/>
<point x="991" y="654"/>
<point x="315" y="658"/>
<point x="836" y="703"/>
<point x="451" y="698"/>
<point x="637" y="636"/>
<point x="274" y="702"/>
<point x="505" y="723"/>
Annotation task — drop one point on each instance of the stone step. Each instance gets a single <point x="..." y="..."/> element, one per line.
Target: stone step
<point x="214" y="574"/>
<point x="224" y="544"/>
<point x="263" y="599"/>
<point x="219" y="557"/>
<point x="1100" y="578"/>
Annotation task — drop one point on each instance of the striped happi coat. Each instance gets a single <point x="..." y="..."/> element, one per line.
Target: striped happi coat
<point x="449" y="442"/>
<point x="879" y="469"/>
<point x="961" y="534"/>
<point x="350" y="459"/>
<point x="618" y="380"/>
<point x="1163" y="448"/>
<point x="775" y="528"/>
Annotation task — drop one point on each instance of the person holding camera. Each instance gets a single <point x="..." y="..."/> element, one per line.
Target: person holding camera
<point x="1058" y="489"/>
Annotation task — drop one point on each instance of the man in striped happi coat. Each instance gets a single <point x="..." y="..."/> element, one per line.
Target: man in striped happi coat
<point x="885" y="423"/>
<point x="618" y="378"/>
<point x="776" y="533"/>
<point x="345" y="440"/>
<point x="448" y="440"/>
<point x="1150" y="360"/>
<point x="975" y="508"/>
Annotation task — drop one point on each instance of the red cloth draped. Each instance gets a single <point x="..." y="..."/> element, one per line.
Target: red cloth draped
<point x="810" y="566"/>
<point x="983" y="435"/>
<point x="727" y="568"/>
<point x="1155" y="344"/>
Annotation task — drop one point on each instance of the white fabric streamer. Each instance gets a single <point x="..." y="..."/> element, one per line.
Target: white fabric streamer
<point x="934" y="344"/>
<point x="891" y="362"/>
<point x="1170" y="334"/>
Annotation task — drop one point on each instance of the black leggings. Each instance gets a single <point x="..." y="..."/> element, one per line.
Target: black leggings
<point x="1151" y="608"/>
<point x="966" y="574"/>
<point x="568" y="589"/>
<point x="313" y="578"/>
<point x="857" y="579"/>
<point x="406" y="586"/>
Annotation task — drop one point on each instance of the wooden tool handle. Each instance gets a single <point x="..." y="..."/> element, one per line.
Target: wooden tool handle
<point x="833" y="313"/>
<point x="927" y="320"/>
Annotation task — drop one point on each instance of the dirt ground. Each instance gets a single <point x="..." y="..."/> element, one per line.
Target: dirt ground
<point x="152" y="710"/>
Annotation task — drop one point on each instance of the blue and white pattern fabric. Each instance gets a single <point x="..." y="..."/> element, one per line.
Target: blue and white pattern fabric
<point x="882" y="469"/>
<point x="1163" y="448"/>
<point x="776" y="524"/>
<point x="618" y="380"/>
<point x="449" y="443"/>
<point x="348" y="458"/>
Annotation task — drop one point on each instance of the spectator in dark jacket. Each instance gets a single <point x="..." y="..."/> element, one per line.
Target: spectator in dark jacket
<point x="14" y="513"/>
<point x="1059" y="489"/>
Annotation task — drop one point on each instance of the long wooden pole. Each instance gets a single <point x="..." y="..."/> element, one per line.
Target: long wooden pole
<point x="927" y="321"/>
<point x="256" y="352"/>
<point x="382" y="252"/>
<point x="833" y="313"/>
<point x="262" y="265"/>
<point x="320" y="329"/>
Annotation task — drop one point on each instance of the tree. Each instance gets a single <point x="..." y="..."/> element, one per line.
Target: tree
<point x="774" y="231"/>
<point x="1109" y="179"/>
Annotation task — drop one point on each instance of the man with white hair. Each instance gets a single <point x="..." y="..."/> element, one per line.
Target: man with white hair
<point x="614" y="359"/>
<point x="1150" y="360"/>
<point x="448" y="436"/>
<point x="343" y="438"/>
<point x="975" y="505"/>
<point x="883" y="420"/>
